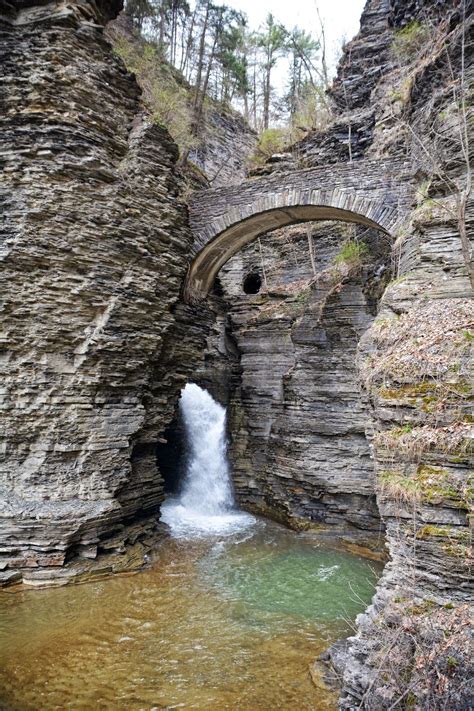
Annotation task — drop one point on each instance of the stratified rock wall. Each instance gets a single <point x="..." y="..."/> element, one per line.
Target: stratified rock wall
<point x="94" y="250"/>
<point x="226" y="145"/>
<point x="404" y="90"/>
<point x="297" y="420"/>
<point x="365" y="60"/>
<point x="415" y="364"/>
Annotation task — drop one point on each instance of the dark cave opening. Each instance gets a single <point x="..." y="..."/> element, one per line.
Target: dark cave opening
<point x="252" y="283"/>
<point x="217" y="288"/>
<point x="170" y="455"/>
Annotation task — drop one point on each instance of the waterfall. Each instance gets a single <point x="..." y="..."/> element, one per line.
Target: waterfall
<point x="207" y="483"/>
<point x="205" y="504"/>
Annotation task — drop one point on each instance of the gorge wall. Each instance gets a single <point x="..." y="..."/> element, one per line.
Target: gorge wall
<point x="297" y="421"/>
<point x="349" y="381"/>
<point x="318" y="370"/>
<point x="95" y="247"/>
<point x="226" y="144"/>
<point x="398" y="94"/>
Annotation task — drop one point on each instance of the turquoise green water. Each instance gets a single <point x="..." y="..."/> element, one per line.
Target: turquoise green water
<point x="215" y="624"/>
<point x="287" y="577"/>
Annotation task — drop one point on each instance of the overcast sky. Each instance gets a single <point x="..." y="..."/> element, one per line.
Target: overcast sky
<point x="340" y="18"/>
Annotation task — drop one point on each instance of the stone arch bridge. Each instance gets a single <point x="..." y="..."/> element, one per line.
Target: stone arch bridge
<point x="376" y="193"/>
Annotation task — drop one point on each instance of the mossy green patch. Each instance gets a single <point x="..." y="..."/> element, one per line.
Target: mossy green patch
<point x="399" y="431"/>
<point x="407" y="391"/>
<point x="429" y="485"/>
<point x="459" y="534"/>
<point x="452" y="662"/>
<point x="428" y="392"/>
<point x="437" y="485"/>
<point x="421" y="608"/>
<point x="352" y="252"/>
<point x="458" y="550"/>
<point x="409" y="41"/>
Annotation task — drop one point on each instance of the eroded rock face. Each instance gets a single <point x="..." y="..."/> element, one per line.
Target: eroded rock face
<point x="297" y="420"/>
<point x="415" y="371"/>
<point x="412" y="383"/>
<point x="364" y="61"/>
<point x="227" y="143"/>
<point x="94" y="251"/>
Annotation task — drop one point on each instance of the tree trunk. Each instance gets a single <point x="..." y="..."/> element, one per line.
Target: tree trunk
<point x="266" y="98"/>
<point x="202" y="47"/>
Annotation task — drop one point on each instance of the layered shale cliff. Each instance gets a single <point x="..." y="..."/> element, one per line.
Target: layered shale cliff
<point x="415" y="369"/>
<point x="297" y="421"/>
<point x="95" y="247"/>
<point x="348" y="374"/>
<point x="408" y="76"/>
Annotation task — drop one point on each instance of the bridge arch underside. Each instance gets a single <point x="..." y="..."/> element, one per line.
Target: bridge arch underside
<point x="213" y="255"/>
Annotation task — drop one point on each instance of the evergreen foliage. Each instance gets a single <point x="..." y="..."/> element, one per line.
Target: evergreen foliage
<point x="211" y="46"/>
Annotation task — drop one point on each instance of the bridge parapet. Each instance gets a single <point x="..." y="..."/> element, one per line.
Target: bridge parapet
<point x="376" y="193"/>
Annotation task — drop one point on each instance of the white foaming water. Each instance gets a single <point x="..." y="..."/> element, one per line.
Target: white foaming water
<point x="205" y="505"/>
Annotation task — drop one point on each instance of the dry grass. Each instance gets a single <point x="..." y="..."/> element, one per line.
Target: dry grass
<point x="427" y="484"/>
<point x="433" y="340"/>
<point x="421" y="657"/>
<point x="165" y="94"/>
<point x="410" y="443"/>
